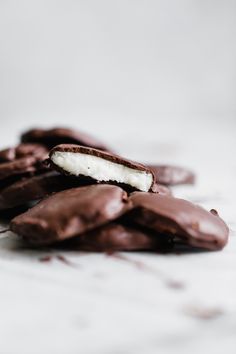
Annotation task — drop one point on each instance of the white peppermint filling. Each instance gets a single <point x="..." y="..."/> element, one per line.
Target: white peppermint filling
<point x="101" y="169"/>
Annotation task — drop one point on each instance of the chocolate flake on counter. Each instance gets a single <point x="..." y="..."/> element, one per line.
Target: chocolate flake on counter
<point x="59" y="257"/>
<point x="169" y="282"/>
<point x="175" y="284"/>
<point x="204" y="313"/>
<point x="63" y="259"/>
<point x="138" y="264"/>
<point x="46" y="259"/>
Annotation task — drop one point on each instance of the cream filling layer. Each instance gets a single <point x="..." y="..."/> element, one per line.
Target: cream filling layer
<point x="101" y="169"/>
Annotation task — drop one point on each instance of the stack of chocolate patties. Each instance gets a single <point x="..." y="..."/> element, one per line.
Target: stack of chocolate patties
<point x="24" y="176"/>
<point x="94" y="200"/>
<point x="19" y="164"/>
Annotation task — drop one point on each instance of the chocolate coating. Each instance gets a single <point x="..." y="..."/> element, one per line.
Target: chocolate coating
<point x="179" y="218"/>
<point x="29" y="189"/>
<point x="172" y="175"/>
<point x="117" y="237"/>
<point x="21" y="160"/>
<point x="70" y="213"/>
<point x="161" y="189"/>
<point x="56" y="136"/>
<point x="23" y="150"/>
<point x="19" y="167"/>
<point x="103" y="155"/>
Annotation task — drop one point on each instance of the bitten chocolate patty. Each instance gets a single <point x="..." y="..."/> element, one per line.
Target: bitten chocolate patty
<point x="101" y="166"/>
<point x="56" y="136"/>
<point x="179" y="218"/>
<point x="70" y="213"/>
<point x="172" y="175"/>
<point x="29" y="189"/>
<point x="117" y="237"/>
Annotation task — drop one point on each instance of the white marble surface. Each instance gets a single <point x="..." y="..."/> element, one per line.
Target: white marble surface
<point x="106" y="305"/>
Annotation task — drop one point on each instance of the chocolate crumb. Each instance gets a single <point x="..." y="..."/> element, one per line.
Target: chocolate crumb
<point x="171" y="283"/>
<point x="205" y="313"/>
<point x="214" y="212"/>
<point x="64" y="260"/>
<point x="46" y="259"/>
<point x="59" y="257"/>
<point x="137" y="264"/>
<point x="175" y="284"/>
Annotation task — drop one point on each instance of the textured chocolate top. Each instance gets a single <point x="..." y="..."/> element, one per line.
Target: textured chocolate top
<point x="70" y="213"/>
<point x="179" y="218"/>
<point x="172" y="175"/>
<point x="56" y="136"/>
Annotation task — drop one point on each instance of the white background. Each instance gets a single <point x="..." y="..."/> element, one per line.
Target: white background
<point x="157" y="80"/>
<point x="103" y="64"/>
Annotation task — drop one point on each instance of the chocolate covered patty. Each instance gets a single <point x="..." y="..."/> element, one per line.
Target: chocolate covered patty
<point x="180" y="218"/>
<point x="23" y="150"/>
<point x="172" y="175"/>
<point x="70" y="213"/>
<point x="118" y="237"/>
<point x="101" y="166"/>
<point x="21" y="160"/>
<point x="19" y="167"/>
<point x="29" y="189"/>
<point x="56" y="136"/>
